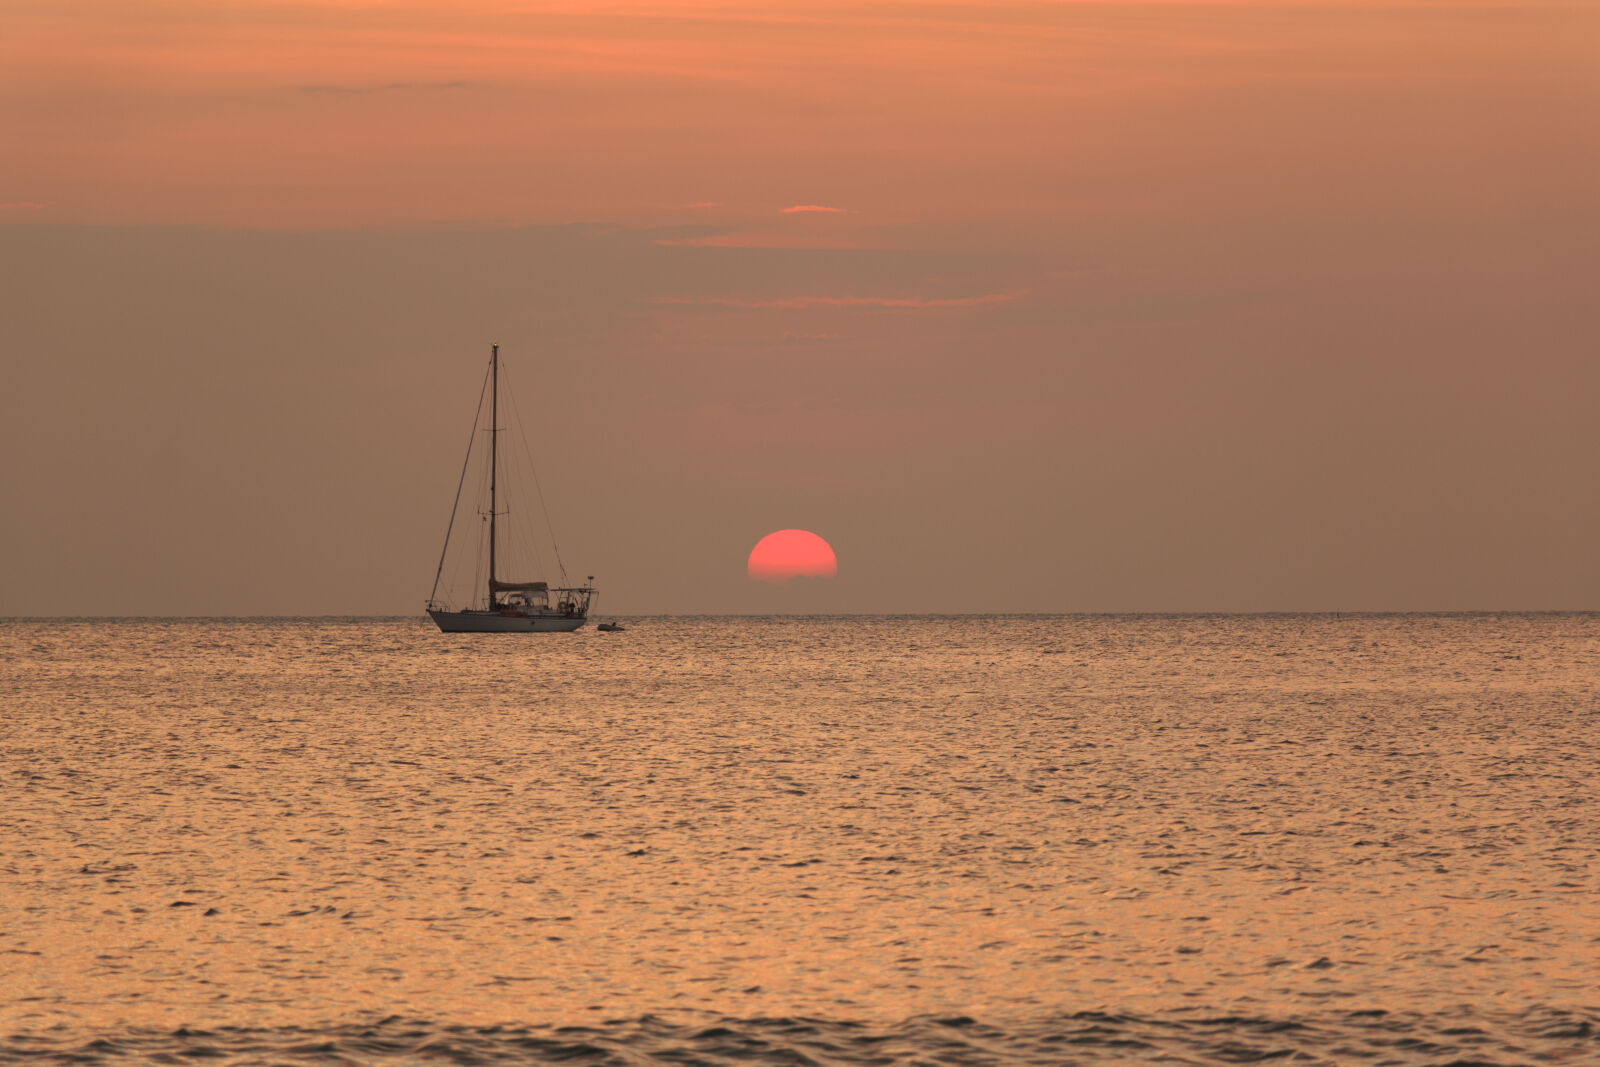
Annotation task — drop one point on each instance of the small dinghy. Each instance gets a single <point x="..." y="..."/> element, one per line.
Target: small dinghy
<point x="609" y="627"/>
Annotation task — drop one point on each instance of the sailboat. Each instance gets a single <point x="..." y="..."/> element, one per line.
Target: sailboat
<point x="508" y="606"/>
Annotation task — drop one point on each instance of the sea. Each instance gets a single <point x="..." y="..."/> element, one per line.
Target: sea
<point x="1340" y="839"/>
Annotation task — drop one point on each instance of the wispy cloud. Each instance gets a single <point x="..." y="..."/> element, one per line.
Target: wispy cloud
<point x="818" y="209"/>
<point x="22" y="205"/>
<point x="812" y="338"/>
<point x="800" y="303"/>
<point x="759" y="240"/>
<point x="391" y="87"/>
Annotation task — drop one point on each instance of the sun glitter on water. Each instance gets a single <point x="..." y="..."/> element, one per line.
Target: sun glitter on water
<point x="784" y="555"/>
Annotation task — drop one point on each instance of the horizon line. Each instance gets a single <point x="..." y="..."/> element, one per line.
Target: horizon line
<point x="1262" y="613"/>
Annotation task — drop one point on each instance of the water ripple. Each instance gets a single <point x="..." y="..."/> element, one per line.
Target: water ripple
<point x="1376" y="1037"/>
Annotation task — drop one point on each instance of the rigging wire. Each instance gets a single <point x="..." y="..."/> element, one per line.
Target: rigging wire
<point x="519" y="542"/>
<point x="527" y="540"/>
<point x="480" y="577"/>
<point x="469" y="562"/>
<point x="476" y="415"/>
<point x="538" y="486"/>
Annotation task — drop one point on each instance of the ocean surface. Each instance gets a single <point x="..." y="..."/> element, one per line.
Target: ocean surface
<point x="1080" y="839"/>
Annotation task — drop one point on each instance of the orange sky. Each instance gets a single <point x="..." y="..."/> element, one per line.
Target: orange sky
<point x="1201" y="305"/>
<point x="318" y="113"/>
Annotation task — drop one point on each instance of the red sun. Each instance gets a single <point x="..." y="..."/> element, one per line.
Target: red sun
<point x="787" y="554"/>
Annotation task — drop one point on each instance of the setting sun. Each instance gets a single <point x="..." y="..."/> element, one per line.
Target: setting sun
<point x="787" y="554"/>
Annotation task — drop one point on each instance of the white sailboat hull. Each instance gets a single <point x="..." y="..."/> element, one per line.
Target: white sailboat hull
<point x="494" y="622"/>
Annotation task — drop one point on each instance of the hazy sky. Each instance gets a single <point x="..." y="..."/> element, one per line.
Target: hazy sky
<point x="1023" y="306"/>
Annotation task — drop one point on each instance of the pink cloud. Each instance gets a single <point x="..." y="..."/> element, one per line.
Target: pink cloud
<point x="799" y="209"/>
<point x="23" y="205"/>
<point x="799" y="303"/>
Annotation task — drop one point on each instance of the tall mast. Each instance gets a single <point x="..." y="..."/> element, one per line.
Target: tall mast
<point x="494" y="454"/>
